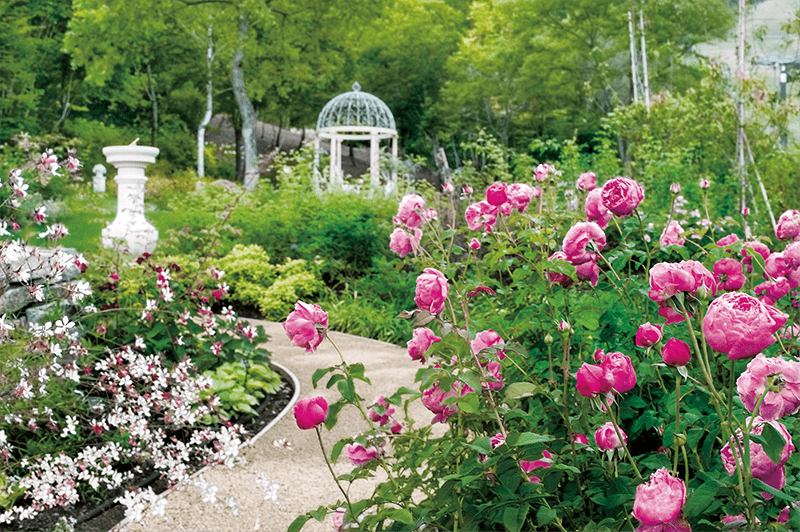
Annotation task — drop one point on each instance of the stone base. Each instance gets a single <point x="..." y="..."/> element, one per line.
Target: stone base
<point x="130" y="238"/>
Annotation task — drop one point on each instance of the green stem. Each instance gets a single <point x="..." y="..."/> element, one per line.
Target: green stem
<point x="622" y="441"/>
<point x="335" y="478"/>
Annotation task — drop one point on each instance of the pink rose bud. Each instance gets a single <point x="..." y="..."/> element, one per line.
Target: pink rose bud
<point x="497" y="440"/>
<point x="422" y="340"/>
<point x="620" y="368"/>
<point x="676" y="352"/>
<point x="660" y="500"/>
<point x="648" y="335"/>
<point x="675" y="188"/>
<point x="537" y="192"/>
<point x="310" y="412"/>
<point x="746" y="211"/>
<point x="704" y="184"/>
<point x="497" y="194"/>
<point x="411" y="211"/>
<point x="303" y="324"/>
<point x="360" y="455"/>
<point x="580" y="438"/>
<point x="431" y="292"/>
<point x="740" y="325"/>
<point x="475" y="243"/>
<point x="431" y="214"/>
<point x="564" y="326"/>
<point x="448" y="188"/>
<point x="606" y="437"/>
<point x="397" y="427"/>
<point x="774" y="378"/>
<point x="587" y="181"/>
<point x="468" y="189"/>
<point x="593" y="380"/>
<point x="543" y="171"/>
<point x="622" y="195"/>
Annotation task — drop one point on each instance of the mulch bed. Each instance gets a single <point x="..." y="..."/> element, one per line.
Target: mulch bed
<point x="96" y="516"/>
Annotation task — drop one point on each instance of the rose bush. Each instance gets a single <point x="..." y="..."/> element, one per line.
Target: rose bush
<point x="530" y="358"/>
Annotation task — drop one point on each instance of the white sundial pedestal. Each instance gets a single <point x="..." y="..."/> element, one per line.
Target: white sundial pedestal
<point x="130" y="224"/>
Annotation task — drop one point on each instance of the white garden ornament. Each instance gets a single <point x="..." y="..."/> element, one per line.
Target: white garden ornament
<point x="356" y="115"/>
<point x="130" y="225"/>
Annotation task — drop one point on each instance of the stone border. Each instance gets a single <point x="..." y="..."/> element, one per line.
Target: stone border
<point x="285" y="372"/>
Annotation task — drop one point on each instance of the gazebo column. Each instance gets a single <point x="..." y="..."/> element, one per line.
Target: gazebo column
<point x="394" y="159"/>
<point x="374" y="160"/>
<point x="334" y="157"/>
<point x="316" y="163"/>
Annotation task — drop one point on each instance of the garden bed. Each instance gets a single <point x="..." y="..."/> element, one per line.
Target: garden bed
<point x="94" y="516"/>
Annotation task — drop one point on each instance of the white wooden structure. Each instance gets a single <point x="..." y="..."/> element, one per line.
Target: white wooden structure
<point x="356" y="115"/>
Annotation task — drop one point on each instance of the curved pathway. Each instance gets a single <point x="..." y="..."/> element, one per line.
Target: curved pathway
<point x="304" y="480"/>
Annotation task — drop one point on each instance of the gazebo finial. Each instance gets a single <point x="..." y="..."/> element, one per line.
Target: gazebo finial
<point x="356" y="86"/>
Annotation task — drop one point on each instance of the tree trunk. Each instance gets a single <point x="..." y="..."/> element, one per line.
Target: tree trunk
<point x="201" y="129"/>
<point x="247" y="111"/>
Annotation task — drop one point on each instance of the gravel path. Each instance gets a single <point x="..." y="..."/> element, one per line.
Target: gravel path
<point x="304" y="480"/>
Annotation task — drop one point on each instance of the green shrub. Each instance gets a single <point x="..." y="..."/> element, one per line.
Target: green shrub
<point x="240" y="387"/>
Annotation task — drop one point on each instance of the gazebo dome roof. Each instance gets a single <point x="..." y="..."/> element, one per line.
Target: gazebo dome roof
<point x="355" y="108"/>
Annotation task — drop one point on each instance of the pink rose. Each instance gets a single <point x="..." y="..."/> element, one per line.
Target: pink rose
<point x="667" y="279"/>
<point x="587" y="181"/>
<point x="595" y="210"/>
<point x="622" y="195"/>
<point x="740" y="325"/>
<point x="495" y="376"/>
<point x="778" y="378"/>
<point x="545" y="462"/>
<point x="672" y="235"/>
<point x="761" y="466"/>
<point x="433" y="397"/>
<point x="676" y="352"/>
<point x="303" y="324"/>
<point x="402" y="243"/>
<point x="537" y="192"/>
<point x="728" y="240"/>
<point x="497" y="194"/>
<point x="703" y="279"/>
<point x="777" y="265"/>
<point x="772" y="291"/>
<point x="661" y="499"/>
<point x="757" y="247"/>
<point x="486" y="339"/>
<point x="557" y="278"/>
<point x="520" y="195"/>
<point x="475" y="243"/>
<point x="620" y="368"/>
<point x="431" y="291"/>
<point x="411" y="211"/>
<point x="577" y="240"/>
<point x="593" y="380"/>
<point x="421" y="341"/>
<point x="588" y="271"/>
<point x="310" y="413"/>
<point x="360" y="455"/>
<point x="670" y="314"/>
<point x="791" y="255"/>
<point x="448" y="188"/>
<point x="788" y="227"/>
<point x="543" y="171"/>
<point x="606" y="437"/>
<point x="728" y="274"/>
<point x="497" y="440"/>
<point x="481" y="215"/>
<point x="648" y="335"/>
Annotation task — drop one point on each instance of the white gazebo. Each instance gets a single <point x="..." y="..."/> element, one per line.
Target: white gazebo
<point x="356" y="115"/>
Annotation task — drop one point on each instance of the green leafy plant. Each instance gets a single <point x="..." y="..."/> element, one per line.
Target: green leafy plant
<point x="241" y="386"/>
